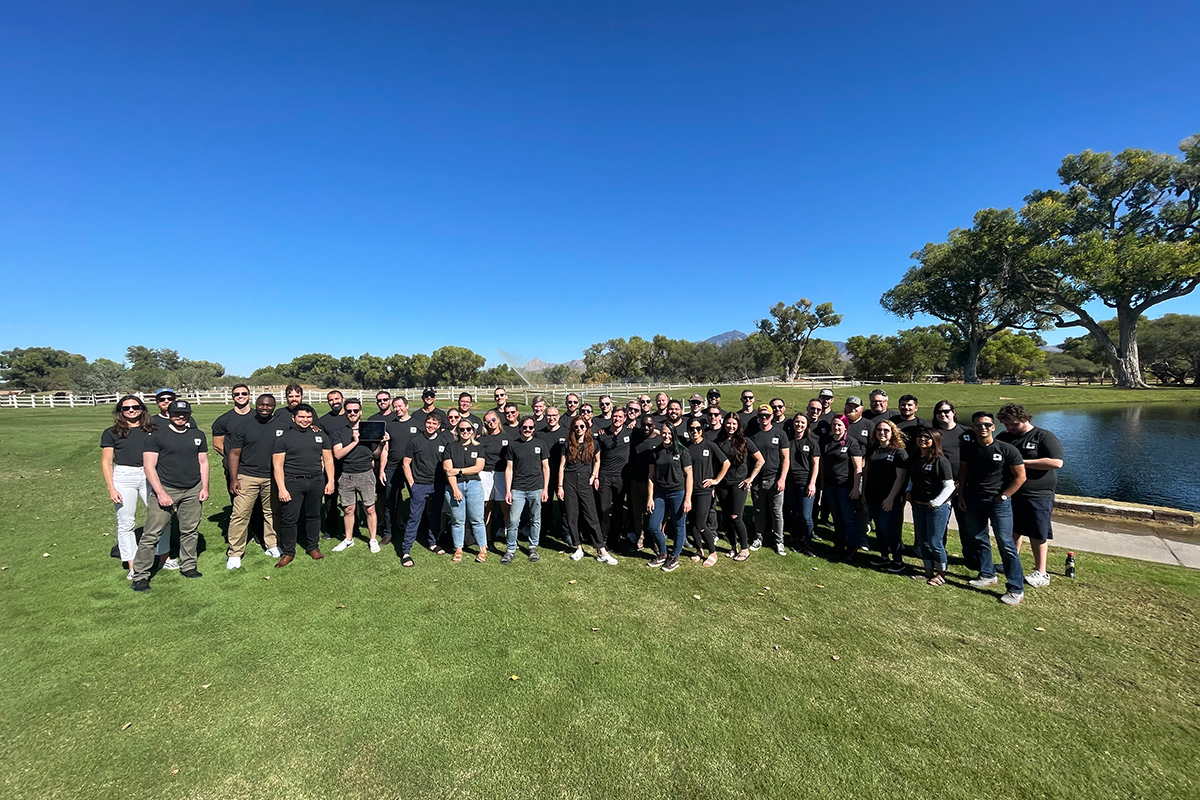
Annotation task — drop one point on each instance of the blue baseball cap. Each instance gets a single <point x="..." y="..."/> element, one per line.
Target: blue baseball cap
<point x="163" y="391"/>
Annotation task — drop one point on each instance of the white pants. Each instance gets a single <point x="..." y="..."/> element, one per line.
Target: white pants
<point x="487" y="481"/>
<point x="131" y="483"/>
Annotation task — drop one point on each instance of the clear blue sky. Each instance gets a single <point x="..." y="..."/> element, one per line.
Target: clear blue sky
<point x="246" y="182"/>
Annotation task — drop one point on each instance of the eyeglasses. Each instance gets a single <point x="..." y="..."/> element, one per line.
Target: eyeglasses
<point x="714" y="413"/>
<point x="133" y="408"/>
<point x="944" y="411"/>
<point x="241" y="394"/>
<point x="984" y="425"/>
<point x="695" y="428"/>
<point x="747" y="397"/>
<point x="604" y="404"/>
<point x="633" y="411"/>
<point x="764" y="415"/>
<point x="510" y="413"/>
<point x="466" y="429"/>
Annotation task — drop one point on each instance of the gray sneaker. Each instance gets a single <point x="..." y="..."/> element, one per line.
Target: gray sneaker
<point x="981" y="582"/>
<point x="507" y="558"/>
<point x="1012" y="598"/>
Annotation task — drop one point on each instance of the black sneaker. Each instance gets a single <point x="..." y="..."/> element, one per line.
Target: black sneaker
<point x="657" y="561"/>
<point x="880" y="562"/>
<point x="140" y="586"/>
<point x="533" y="554"/>
<point x="809" y="552"/>
<point x="192" y="573"/>
<point x="671" y="565"/>
<point x="896" y="567"/>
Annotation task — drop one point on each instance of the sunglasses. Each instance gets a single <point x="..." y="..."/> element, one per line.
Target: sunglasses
<point x="605" y="405"/>
<point x="764" y="416"/>
<point x="779" y="408"/>
<point x="510" y="413"/>
<point x="526" y="427"/>
<point x="467" y="429"/>
<point x="984" y="425"/>
<point x="241" y="394"/>
<point x="944" y="411"/>
<point x="133" y="408"/>
<point x="580" y="427"/>
<point x="747" y="397"/>
<point x="353" y="410"/>
<point x="695" y="428"/>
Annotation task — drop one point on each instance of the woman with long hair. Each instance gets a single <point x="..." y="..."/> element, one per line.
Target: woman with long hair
<point x="491" y="479"/>
<point x="886" y="474"/>
<point x="464" y="491"/>
<point x="932" y="486"/>
<point x="669" y="496"/>
<point x="841" y="477"/>
<point x="121" y="448"/>
<point x="745" y="462"/>
<point x="709" y="465"/>
<point x="578" y="477"/>
<point x="801" y="490"/>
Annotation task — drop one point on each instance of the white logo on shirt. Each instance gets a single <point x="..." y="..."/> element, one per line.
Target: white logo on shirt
<point x="197" y="441"/>
<point x="317" y="439"/>
<point x="997" y="457"/>
<point x="441" y="448"/>
<point x="844" y="449"/>
<point x="1028" y="445"/>
<point x="474" y="454"/>
<point x="804" y="448"/>
<point x="279" y="433"/>
<point x="775" y="440"/>
<point x="705" y="452"/>
<point x="537" y="450"/>
<point x="626" y="440"/>
<point x="412" y="430"/>
<point x="674" y="458"/>
<point x="929" y="467"/>
<point x="504" y="442"/>
<point x="891" y="457"/>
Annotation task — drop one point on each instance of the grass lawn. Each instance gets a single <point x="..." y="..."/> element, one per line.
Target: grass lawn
<point x="354" y="677"/>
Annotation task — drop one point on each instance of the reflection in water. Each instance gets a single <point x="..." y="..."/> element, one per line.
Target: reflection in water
<point x="1139" y="454"/>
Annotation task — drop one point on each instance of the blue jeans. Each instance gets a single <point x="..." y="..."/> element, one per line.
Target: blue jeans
<point x="888" y="528"/>
<point x="799" y="508"/>
<point x="678" y="521"/>
<point x="521" y="498"/>
<point x="422" y="494"/>
<point x="999" y="513"/>
<point x="846" y="532"/>
<point x="930" y="526"/>
<point x="469" y="508"/>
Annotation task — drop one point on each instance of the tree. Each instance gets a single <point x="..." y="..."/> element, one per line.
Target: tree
<point x="454" y="366"/>
<point x="559" y="373"/>
<point x="104" y="376"/>
<point x="196" y="374"/>
<point x="1170" y="347"/>
<point x="917" y="352"/>
<point x="873" y="356"/>
<point x="370" y="372"/>
<point x="39" y="369"/>
<point x="790" y="328"/>
<point x="500" y="375"/>
<point x="821" y="357"/>
<point x="1125" y="232"/>
<point x="969" y="282"/>
<point x="1008" y="354"/>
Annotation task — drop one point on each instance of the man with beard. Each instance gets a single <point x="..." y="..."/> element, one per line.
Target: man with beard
<point x="250" y="447"/>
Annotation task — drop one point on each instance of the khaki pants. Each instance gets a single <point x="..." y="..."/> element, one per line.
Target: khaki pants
<point x="250" y="491"/>
<point x="186" y="509"/>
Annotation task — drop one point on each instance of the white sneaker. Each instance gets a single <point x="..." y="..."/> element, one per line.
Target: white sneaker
<point x="1012" y="598"/>
<point x="578" y="554"/>
<point x="171" y="563"/>
<point x="374" y="546"/>
<point x="607" y="558"/>
<point x="1037" y="579"/>
<point x="273" y="552"/>
<point x="982" y="582"/>
<point x="343" y="545"/>
<point x="233" y="562"/>
<point x="129" y="577"/>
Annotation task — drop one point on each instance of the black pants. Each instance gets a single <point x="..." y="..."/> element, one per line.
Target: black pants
<point x="733" y="505"/>
<point x="613" y="490"/>
<point x="703" y="536"/>
<point x="554" y="517"/>
<point x="304" y="509"/>
<point x="580" y="502"/>
<point x="331" y="514"/>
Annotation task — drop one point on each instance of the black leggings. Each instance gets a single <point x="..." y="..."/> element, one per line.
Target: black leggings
<point x="703" y="536"/>
<point x="303" y="509"/>
<point x="580" y="502"/>
<point x="733" y="504"/>
<point x="612" y="506"/>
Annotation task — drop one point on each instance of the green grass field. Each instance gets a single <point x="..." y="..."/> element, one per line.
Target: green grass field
<point x="354" y="677"/>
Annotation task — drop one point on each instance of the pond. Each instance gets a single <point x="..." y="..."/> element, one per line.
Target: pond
<point x="1138" y="454"/>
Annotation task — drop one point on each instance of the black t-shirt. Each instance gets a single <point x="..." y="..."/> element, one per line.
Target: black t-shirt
<point x="1037" y="443"/>
<point x="224" y="424"/>
<point x="127" y="449"/>
<point x="909" y="428"/>
<point x="360" y="458"/>
<point x="877" y="416"/>
<point x="927" y="479"/>
<point x="578" y="467"/>
<point x="707" y="459"/>
<point x="882" y="466"/>
<point x="738" y="470"/>
<point x="801" y="453"/>
<point x="178" y="465"/>
<point x="256" y="439"/>
<point x="492" y="448"/>
<point x="557" y="442"/>
<point x="639" y="459"/>
<point x="989" y="467"/>
<point x="462" y="456"/>
<point x="615" y="452"/>
<point x="379" y="416"/>
<point x="712" y="434"/>
<point x="668" y="470"/>
<point x="953" y="440"/>
<point x="860" y="430"/>
<point x="527" y="458"/>
<point x="836" y="458"/>
<point x="331" y="422"/>
<point x="599" y="425"/>
<point x="771" y="444"/>
<point x="746" y="419"/>
<point x="426" y="454"/>
<point x="303" y="450"/>
<point x="159" y="421"/>
<point x="399" y="432"/>
<point x="420" y="414"/>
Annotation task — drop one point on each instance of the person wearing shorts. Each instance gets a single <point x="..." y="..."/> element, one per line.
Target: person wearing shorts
<point x="1034" y="501"/>
<point x="358" y="476"/>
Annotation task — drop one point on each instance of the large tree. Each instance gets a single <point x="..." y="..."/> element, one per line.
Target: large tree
<point x="39" y="369"/>
<point x="1125" y="232"/>
<point x="453" y="366"/>
<point x="791" y="327"/>
<point x="968" y="281"/>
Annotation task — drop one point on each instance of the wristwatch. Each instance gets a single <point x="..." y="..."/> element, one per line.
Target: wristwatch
<point x="1004" y="497"/>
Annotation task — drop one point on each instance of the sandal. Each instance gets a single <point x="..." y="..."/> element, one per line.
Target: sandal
<point x="742" y="555"/>
<point x="711" y="561"/>
<point x="437" y="551"/>
<point x="482" y="557"/>
<point x="406" y="560"/>
<point x="695" y="558"/>
<point x="457" y="555"/>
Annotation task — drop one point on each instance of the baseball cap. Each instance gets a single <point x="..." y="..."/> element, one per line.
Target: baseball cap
<point x="179" y="408"/>
<point x="714" y="392"/>
<point x="825" y="393"/>
<point x="429" y="393"/>
<point x="696" y="397"/>
<point x="163" y="391"/>
<point x="854" y="400"/>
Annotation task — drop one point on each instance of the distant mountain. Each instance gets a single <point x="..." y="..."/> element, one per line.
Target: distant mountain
<point x="537" y="365"/>
<point x="725" y="338"/>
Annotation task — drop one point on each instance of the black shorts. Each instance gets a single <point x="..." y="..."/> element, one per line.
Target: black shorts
<point x="1031" y="516"/>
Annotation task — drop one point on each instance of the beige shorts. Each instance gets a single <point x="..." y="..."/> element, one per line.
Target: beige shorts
<point x="362" y="483"/>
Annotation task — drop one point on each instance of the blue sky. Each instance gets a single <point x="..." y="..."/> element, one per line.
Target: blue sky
<point x="246" y="182"/>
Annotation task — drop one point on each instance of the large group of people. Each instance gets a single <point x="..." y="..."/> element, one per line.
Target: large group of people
<point x="610" y="477"/>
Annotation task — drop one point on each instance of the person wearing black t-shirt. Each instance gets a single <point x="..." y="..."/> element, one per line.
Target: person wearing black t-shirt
<point x="501" y="397"/>
<point x="577" y="479"/>
<point x="841" y="478"/>
<point x="714" y="423"/>
<point x="879" y="406"/>
<point x="748" y="414"/>
<point x="423" y="456"/>
<point x="176" y="464"/>
<point x="709" y="466"/>
<point x="358" y="476"/>
<point x="331" y="517"/>
<point x="510" y="421"/>
<point x="302" y="465"/>
<point x="554" y="434"/>
<point x="383" y="399"/>
<point x="571" y="410"/>
<point x="745" y="462"/>
<point x="767" y="491"/>
<point x="428" y="400"/>
<point x="954" y="436"/>
<point x="293" y="396"/>
<point x="639" y="473"/>
<point x="397" y="432"/>
<point x="675" y="419"/>
<point x="225" y="423"/>
<point x="860" y="428"/>
<point x="121" y="448"/>
<point x="818" y="428"/>
<point x="493" y="441"/>
<point x="804" y="463"/>
<point x="251" y="449"/>
<point x="932" y="487"/>
<point x="989" y="474"/>
<point x="669" y="495"/>
<point x="463" y="461"/>
<point x="612" y="448"/>
<point x="465" y="402"/>
<point x="908" y="422"/>
<point x="163" y="399"/>
<point x="527" y="475"/>
<point x="885" y="476"/>
<point x="661" y="403"/>
<point x="1034" y="501"/>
